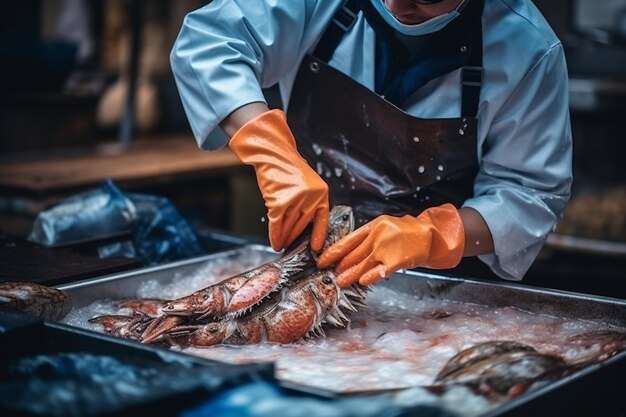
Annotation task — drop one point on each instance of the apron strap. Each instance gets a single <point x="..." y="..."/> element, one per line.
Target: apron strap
<point x="472" y="76"/>
<point x="342" y="21"/>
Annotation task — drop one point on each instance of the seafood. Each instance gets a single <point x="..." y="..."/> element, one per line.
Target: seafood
<point x="239" y="293"/>
<point x="150" y="306"/>
<point x="129" y="327"/>
<point x="599" y="345"/>
<point x="37" y="300"/>
<point x="280" y="301"/>
<point x="477" y="353"/>
<point x="294" y="312"/>
<point x="502" y="369"/>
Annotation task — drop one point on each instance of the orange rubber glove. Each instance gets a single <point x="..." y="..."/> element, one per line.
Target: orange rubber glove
<point x="434" y="239"/>
<point x="293" y="192"/>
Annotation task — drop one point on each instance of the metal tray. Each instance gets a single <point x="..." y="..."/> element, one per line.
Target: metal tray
<point x="596" y="390"/>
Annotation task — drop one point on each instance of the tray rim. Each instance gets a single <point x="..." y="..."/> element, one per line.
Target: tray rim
<point x="434" y="276"/>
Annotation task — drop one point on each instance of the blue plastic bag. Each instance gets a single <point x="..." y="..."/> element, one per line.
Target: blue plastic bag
<point x="159" y="232"/>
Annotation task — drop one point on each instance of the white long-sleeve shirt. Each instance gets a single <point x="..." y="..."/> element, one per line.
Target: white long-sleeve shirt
<point x="227" y="51"/>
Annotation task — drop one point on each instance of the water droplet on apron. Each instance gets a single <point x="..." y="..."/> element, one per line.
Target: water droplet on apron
<point x="263" y="219"/>
<point x="416" y="139"/>
<point x="316" y="149"/>
<point x="320" y="168"/>
<point x="438" y="178"/>
<point x="345" y="142"/>
<point x="338" y="172"/>
<point x="461" y="132"/>
<point x="440" y="167"/>
<point x="418" y="188"/>
<point x="426" y="198"/>
<point x="420" y="169"/>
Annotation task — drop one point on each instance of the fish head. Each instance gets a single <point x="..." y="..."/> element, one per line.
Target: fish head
<point x="119" y="325"/>
<point x="323" y="285"/>
<point x="203" y="302"/>
<point x="340" y="224"/>
<point x="206" y="335"/>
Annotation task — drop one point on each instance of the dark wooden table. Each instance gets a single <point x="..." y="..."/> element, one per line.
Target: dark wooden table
<point x="29" y="184"/>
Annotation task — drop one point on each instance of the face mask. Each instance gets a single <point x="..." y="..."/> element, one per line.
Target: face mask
<point x="429" y="26"/>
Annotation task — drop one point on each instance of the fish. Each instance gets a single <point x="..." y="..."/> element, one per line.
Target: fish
<point x="598" y="345"/>
<point x="37" y="300"/>
<point x="296" y="311"/>
<point x="128" y="327"/>
<point x="256" y="304"/>
<point x="241" y="292"/>
<point x="151" y="306"/>
<point x="501" y="370"/>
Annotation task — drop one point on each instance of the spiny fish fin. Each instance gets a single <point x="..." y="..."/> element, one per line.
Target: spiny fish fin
<point x="292" y="265"/>
<point x="331" y="319"/>
<point x="346" y="304"/>
<point x="342" y="315"/>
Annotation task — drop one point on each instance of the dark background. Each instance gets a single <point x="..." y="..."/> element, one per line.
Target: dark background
<point x="67" y="68"/>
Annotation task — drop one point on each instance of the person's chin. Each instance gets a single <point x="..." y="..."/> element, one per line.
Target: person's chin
<point x="410" y="22"/>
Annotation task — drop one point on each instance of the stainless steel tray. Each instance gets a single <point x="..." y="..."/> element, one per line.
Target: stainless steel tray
<point x="611" y="311"/>
<point x="596" y="385"/>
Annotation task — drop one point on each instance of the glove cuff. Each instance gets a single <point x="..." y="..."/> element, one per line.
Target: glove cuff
<point x="267" y="133"/>
<point x="448" y="236"/>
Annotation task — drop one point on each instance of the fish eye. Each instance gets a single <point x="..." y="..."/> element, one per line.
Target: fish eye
<point x="345" y="217"/>
<point x="213" y="329"/>
<point x="327" y="280"/>
<point x="205" y="296"/>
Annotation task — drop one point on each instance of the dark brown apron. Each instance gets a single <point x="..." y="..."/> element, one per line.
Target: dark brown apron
<point x="375" y="157"/>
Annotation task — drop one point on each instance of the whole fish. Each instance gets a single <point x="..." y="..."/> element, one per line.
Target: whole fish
<point x="36" y="300"/>
<point x="502" y="369"/>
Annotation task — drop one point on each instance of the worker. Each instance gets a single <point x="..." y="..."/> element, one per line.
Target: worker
<point x="443" y="123"/>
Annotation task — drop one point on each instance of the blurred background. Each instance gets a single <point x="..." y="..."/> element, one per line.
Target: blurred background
<point x="87" y="94"/>
<point x="71" y="69"/>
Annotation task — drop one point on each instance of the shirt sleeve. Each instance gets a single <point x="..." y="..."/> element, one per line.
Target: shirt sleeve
<point x="525" y="172"/>
<point x="227" y="51"/>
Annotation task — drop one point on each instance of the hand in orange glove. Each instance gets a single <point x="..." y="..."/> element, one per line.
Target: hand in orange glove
<point x="293" y="192"/>
<point x="434" y="239"/>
